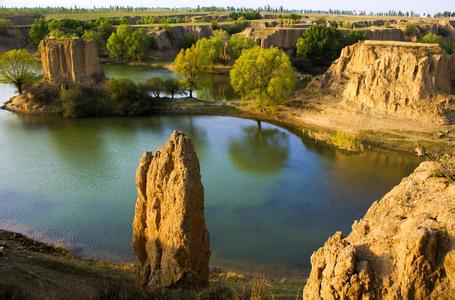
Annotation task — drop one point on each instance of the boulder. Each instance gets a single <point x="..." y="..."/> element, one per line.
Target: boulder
<point x="403" y="248"/>
<point x="70" y="62"/>
<point x="170" y="237"/>
<point x="407" y="80"/>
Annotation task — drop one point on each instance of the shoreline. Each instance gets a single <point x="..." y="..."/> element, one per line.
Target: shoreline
<point x="308" y="119"/>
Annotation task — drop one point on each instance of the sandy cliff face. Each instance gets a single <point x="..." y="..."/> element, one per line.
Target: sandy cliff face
<point x="403" y="248"/>
<point x="70" y="61"/>
<point x="170" y="238"/>
<point x="407" y="80"/>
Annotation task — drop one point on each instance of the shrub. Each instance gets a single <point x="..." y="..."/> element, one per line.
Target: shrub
<point x="124" y="95"/>
<point x="431" y="38"/>
<point x="44" y="92"/>
<point x="78" y="102"/>
<point x="5" y="22"/>
<point x="354" y="36"/>
<point x="411" y="30"/>
<point x="346" y="142"/>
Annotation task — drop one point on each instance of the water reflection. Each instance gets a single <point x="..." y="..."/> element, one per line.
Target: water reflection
<point x="212" y="86"/>
<point x="258" y="150"/>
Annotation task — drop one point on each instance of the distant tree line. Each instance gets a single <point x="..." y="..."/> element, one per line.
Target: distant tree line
<point x="267" y="8"/>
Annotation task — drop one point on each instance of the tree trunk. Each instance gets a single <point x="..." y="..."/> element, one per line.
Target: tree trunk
<point x="191" y="94"/>
<point x="19" y="88"/>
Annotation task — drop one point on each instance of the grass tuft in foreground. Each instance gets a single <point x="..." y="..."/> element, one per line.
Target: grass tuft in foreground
<point x="347" y="142"/>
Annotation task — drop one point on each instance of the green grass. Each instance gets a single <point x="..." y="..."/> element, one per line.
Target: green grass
<point x="346" y="142"/>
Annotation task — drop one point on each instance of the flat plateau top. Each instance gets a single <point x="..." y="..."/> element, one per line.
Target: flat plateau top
<point x="403" y="44"/>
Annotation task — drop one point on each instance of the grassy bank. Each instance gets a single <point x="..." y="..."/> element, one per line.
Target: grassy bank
<point x="34" y="270"/>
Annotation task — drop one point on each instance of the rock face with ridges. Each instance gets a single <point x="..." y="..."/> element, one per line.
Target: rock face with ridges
<point x="71" y="62"/>
<point x="408" y="80"/>
<point x="170" y="237"/>
<point x="403" y="248"/>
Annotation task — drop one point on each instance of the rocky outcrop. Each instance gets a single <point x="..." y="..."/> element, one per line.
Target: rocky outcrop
<point x="283" y="38"/>
<point x="171" y="37"/>
<point x="403" y="248"/>
<point x="407" y="80"/>
<point x="170" y="238"/>
<point x="70" y="62"/>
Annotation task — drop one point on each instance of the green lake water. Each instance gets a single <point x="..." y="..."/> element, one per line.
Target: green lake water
<point x="272" y="198"/>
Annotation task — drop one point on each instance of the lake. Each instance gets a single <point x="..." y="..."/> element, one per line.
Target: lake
<point x="272" y="198"/>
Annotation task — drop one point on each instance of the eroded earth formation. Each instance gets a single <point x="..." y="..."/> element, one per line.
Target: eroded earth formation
<point x="70" y="62"/>
<point x="403" y="248"/>
<point x="407" y="80"/>
<point x="170" y="237"/>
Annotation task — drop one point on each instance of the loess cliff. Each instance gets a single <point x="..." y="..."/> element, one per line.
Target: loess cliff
<point x="70" y="62"/>
<point x="403" y="248"/>
<point x="170" y="237"/>
<point x="407" y="80"/>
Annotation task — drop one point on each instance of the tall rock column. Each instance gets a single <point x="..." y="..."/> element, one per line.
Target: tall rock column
<point x="170" y="237"/>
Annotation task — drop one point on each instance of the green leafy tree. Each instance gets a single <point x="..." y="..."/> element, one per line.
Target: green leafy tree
<point x="155" y="85"/>
<point x="172" y="87"/>
<point x="212" y="47"/>
<point x="38" y="31"/>
<point x="123" y="93"/>
<point x="354" y="36"/>
<point x="320" y="44"/>
<point x="138" y="44"/>
<point x="116" y="44"/>
<point x="264" y="75"/>
<point x="191" y="64"/>
<point x="18" y="67"/>
<point x="236" y="44"/>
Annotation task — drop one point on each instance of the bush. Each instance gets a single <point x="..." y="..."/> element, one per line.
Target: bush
<point x="431" y="38"/>
<point x="79" y="102"/>
<point x="146" y="20"/>
<point x="346" y="142"/>
<point x="5" y="22"/>
<point x="354" y="36"/>
<point x="38" y="31"/>
<point x="44" y="93"/>
<point x="248" y="15"/>
<point x="411" y="30"/>
<point x="124" y="95"/>
<point x="238" y="26"/>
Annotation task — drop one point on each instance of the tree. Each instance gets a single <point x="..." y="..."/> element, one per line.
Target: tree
<point x="236" y="44"/>
<point x="116" y="44"/>
<point x="191" y="64"/>
<point x="354" y="36"/>
<point x="155" y="85"/>
<point x="126" y="43"/>
<point x="172" y="86"/>
<point x="38" y="31"/>
<point x="320" y="44"/>
<point x="18" y="67"/>
<point x="212" y="47"/>
<point x="264" y="75"/>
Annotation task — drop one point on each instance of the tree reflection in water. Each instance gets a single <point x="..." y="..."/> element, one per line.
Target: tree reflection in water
<point x="259" y="150"/>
